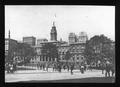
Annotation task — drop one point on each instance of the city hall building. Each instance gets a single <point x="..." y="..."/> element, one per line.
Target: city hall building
<point x="75" y="46"/>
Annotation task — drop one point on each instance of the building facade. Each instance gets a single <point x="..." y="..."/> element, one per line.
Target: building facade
<point x="75" y="46"/>
<point x="82" y="38"/>
<point x="39" y="41"/>
<point x="62" y="50"/>
<point x="43" y="57"/>
<point x="72" y="38"/>
<point x="77" y="52"/>
<point x="10" y="45"/>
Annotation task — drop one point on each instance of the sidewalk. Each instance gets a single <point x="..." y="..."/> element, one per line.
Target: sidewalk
<point x="39" y="75"/>
<point x="50" y="70"/>
<point x="28" y="67"/>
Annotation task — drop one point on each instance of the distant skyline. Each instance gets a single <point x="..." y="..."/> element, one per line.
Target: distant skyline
<point x="37" y="21"/>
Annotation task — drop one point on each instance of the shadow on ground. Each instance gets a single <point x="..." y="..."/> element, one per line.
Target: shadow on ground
<point x="83" y="80"/>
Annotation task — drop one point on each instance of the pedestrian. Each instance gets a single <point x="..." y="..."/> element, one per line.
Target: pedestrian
<point x="43" y="67"/>
<point x="53" y="66"/>
<point x="47" y="67"/>
<point x="37" y="65"/>
<point x="82" y="69"/>
<point x="8" y="67"/>
<point x="71" y="68"/>
<point x="59" y="67"/>
<point x="64" y="67"/>
<point x="68" y="67"/>
<point x="91" y="67"/>
<point x="107" y="68"/>
<point x="112" y="69"/>
<point x="102" y="67"/>
<point x="14" y="66"/>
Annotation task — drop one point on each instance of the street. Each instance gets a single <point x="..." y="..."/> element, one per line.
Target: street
<point x="40" y="75"/>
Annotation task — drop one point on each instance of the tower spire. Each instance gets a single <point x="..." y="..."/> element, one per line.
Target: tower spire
<point x="55" y="15"/>
<point x="54" y="19"/>
<point x="53" y="23"/>
<point x="9" y="34"/>
<point x="53" y="32"/>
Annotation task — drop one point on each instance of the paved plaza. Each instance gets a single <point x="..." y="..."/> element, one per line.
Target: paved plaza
<point x="40" y="75"/>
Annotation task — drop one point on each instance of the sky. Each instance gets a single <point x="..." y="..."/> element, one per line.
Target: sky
<point x="37" y="20"/>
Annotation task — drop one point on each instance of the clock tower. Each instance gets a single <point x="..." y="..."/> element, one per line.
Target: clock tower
<point x="53" y="33"/>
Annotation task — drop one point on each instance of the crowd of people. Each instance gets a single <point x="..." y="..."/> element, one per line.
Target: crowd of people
<point x="10" y="67"/>
<point x="58" y="66"/>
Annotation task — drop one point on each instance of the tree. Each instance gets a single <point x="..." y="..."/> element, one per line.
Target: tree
<point x="108" y="51"/>
<point x="67" y="55"/>
<point x="97" y="48"/>
<point x="89" y="52"/>
<point x="25" y="51"/>
<point x="50" y="50"/>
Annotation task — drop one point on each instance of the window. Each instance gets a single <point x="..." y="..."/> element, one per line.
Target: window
<point x="6" y="47"/>
<point x="6" y="42"/>
<point x="82" y="58"/>
<point x="59" y="52"/>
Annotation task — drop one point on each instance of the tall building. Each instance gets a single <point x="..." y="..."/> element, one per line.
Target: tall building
<point x="10" y="44"/>
<point x="82" y="38"/>
<point x="72" y="38"/>
<point x="53" y="33"/>
<point x="77" y="46"/>
<point x="29" y="40"/>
